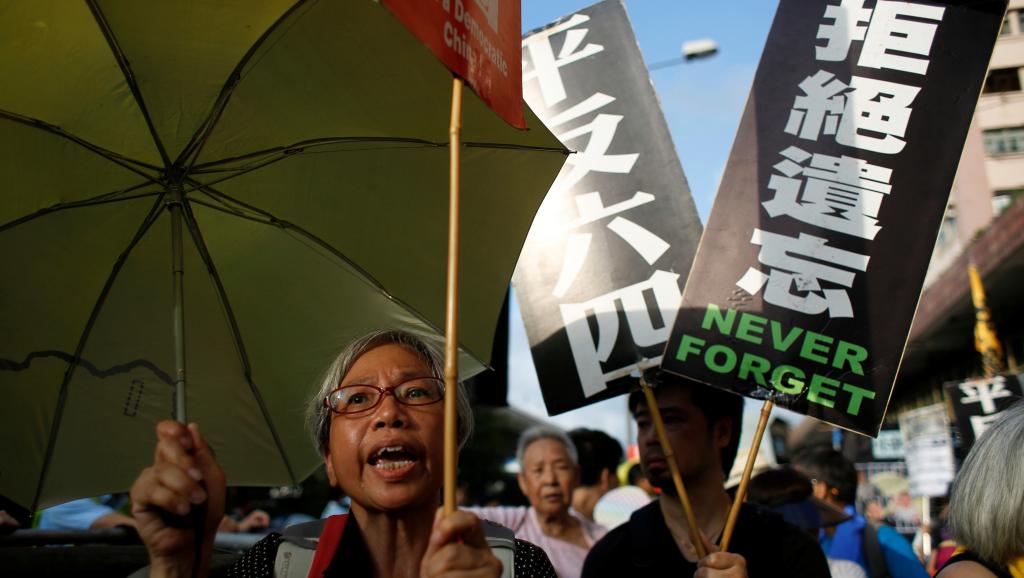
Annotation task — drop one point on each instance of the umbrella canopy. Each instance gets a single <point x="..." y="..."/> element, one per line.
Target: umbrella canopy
<point x="304" y="143"/>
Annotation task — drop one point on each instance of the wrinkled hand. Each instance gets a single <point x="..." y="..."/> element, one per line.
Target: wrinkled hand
<point x="166" y="493"/>
<point x="458" y="547"/>
<point x="8" y="523"/>
<point x="254" y="520"/>
<point x="718" y="564"/>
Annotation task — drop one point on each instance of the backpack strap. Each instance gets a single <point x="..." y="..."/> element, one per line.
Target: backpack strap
<point x="873" y="554"/>
<point x="312" y="546"/>
<point x="502" y="541"/>
<point x="306" y="549"/>
<point x="330" y="538"/>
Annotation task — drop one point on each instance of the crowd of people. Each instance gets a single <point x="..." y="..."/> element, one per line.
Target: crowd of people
<point x="377" y="421"/>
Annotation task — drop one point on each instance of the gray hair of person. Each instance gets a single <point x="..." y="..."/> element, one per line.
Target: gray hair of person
<point x="986" y="510"/>
<point x="318" y="415"/>
<point x="545" y="432"/>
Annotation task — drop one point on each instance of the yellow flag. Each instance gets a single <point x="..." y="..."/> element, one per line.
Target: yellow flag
<point x="985" y="339"/>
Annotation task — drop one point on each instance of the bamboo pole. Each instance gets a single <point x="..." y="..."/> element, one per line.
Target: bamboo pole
<point x="670" y="457"/>
<point x="451" y="345"/>
<point x="741" y="491"/>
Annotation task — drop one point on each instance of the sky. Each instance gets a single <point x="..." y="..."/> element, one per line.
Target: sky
<point x="702" y="101"/>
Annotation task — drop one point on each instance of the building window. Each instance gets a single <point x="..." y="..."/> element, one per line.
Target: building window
<point x="947" y="231"/>
<point x="1020" y="19"/>
<point x="1004" y="198"/>
<point x="1004" y="141"/>
<point x="1005" y="30"/>
<point x="1002" y="80"/>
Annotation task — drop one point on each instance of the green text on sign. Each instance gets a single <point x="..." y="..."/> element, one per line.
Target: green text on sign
<point x="809" y="346"/>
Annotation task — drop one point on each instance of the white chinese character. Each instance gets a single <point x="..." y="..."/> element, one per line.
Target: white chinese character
<point x="591" y="208"/>
<point x="794" y="283"/>
<point x="820" y="107"/>
<point x="980" y="423"/>
<point x="892" y="36"/>
<point x="842" y="194"/>
<point x="594" y="156"/>
<point x="867" y="114"/>
<point x="985" y="392"/>
<point x="876" y="115"/>
<point x="589" y="355"/>
<point x="850" y="20"/>
<point x="545" y="65"/>
<point x="895" y="34"/>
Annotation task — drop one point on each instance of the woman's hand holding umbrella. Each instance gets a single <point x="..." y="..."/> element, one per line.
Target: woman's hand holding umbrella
<point x="184" y="474"/>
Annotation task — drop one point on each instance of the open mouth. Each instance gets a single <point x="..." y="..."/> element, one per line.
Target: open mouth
<point x="393" y="458"/>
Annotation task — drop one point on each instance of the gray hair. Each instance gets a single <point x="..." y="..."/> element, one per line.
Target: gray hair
<point x="318" y="415"/>
<point x="545" y="432"/>
<point x="986" y="511"/>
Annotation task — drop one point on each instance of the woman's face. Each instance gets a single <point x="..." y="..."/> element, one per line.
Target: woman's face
<point x="390" y="457"/>
<point x="548" y="477"/>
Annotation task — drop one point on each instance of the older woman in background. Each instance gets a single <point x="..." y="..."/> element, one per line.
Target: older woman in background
<point x="548" y="473"/>
<point x="986" y="510"/>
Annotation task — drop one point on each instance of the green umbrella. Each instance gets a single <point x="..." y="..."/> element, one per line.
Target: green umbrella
<point x="302" y="146"/>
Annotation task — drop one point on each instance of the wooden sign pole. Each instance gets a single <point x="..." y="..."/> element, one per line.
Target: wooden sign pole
<point x="741" y="491"/>
<point x="451" y="325"/>
<point x="666" y="448"/>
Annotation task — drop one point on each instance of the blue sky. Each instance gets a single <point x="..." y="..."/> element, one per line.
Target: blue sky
<point x="702" y="101"/>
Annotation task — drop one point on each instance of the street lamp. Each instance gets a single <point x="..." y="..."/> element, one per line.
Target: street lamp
<point x="691" y="50"/>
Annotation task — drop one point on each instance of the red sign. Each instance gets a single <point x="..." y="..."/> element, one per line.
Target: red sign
<point x="478" y="40"/>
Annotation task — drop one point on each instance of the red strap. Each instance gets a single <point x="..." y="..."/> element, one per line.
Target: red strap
<point x="330" y="539"/>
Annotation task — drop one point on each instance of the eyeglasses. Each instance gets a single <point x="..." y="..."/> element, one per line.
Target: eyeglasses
<point x="359" y="398"/>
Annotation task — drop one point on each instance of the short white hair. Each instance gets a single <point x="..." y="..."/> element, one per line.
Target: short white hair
<point x="318" y="416"/>
<point x="545" y="432"/>
<point x="986" y="510"/>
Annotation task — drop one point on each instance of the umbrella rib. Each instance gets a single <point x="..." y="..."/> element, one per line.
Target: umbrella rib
<point x="300" y="146"/>
<point x="105" y="198"/>
<point x="236" y="334"/>
<point x="120" y="160"/>
<point x="129" y="76"/>
<point x="510" y="146"/>
<point x="151" y="218"/>
<point x="198" y="140"/>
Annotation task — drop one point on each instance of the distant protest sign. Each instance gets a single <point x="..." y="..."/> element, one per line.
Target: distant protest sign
<point x="978" y="403"/>
<point x="477" y="40"/>
<point x="601" y="274"/>
<point x="928" y="446"/>
<point x="813" y="258"/>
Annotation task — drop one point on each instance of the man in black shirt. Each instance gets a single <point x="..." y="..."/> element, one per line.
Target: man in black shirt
<point x="703" y="426"/>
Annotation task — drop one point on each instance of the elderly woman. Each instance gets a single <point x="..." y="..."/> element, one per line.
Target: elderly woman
<point x="548" y="474"/>
<point x="986" y="508"/>
<point x="378" y="423"/>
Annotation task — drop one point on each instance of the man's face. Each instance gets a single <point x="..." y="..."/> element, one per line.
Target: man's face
<point x="696" y="445"/>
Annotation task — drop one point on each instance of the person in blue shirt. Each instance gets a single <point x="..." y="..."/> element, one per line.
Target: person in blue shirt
<point x="111" y="511"/>
<point x="879" y="549"/>
<point x="87" y="513"/>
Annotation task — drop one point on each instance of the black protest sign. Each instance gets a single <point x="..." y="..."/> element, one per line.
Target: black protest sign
<point x="601" y="274"/>
<point x="813" y="258"/>
<point x="977" y="403"/>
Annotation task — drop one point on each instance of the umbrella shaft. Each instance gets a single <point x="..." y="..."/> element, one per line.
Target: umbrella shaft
<point x="178" y="272"/>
